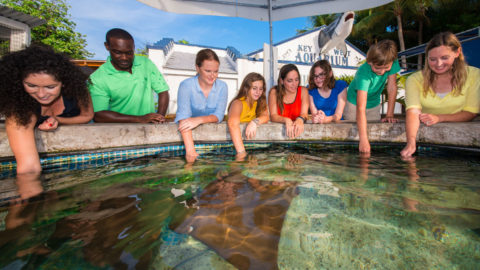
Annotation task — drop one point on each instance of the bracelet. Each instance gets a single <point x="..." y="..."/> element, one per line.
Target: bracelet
<point x="303" y="119"/>
<point x="256" y="121"/>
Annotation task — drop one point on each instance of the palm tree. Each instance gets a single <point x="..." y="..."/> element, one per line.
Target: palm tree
<point x="318" y="21"/>
<point x="399" y="7"/>
<point x="370" y="26"/>
<point x="420" y="12"/>
<point x="323" y="19"/>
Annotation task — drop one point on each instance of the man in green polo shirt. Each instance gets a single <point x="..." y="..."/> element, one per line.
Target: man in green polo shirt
<point x="123" y="88"/>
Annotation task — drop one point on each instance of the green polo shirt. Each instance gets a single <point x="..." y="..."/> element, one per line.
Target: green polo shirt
<point x="125" y="93"/>
<point x="366" y="80"/>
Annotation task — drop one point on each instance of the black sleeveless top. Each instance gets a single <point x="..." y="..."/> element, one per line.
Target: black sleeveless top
<point x="71" y="109"/>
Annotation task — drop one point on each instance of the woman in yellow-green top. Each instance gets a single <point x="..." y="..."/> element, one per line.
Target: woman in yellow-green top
<point x="249" y="106"/>
<point x="446" y="90"/>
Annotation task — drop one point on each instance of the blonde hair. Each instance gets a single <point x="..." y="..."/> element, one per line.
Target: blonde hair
<point x="459" y="67"/>
<point x="382" y="53"/>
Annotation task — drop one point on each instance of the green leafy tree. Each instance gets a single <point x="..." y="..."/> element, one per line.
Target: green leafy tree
<point x="183" y="41"/>
<point x="420" y="12"/>
<point x="141" y="51"/>
<point x="318" y="21"/>
<point x="59" y="31"/>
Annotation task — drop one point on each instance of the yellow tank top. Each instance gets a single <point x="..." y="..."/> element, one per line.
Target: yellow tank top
<point x="248" y="114"/>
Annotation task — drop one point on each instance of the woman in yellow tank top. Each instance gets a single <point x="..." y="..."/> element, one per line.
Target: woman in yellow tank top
<point x="249" y="106"/>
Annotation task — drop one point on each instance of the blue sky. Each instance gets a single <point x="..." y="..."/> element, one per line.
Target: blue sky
<point x="148" y="25"/>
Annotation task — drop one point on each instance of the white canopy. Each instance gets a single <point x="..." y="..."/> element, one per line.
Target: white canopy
<point x="263" y="10"/>
<point x="259" y="9"/>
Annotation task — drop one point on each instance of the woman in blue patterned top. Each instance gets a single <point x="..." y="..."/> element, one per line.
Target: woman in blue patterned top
<point x="327" y="95"/>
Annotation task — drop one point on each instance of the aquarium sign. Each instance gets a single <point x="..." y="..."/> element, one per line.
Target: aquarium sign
<point x="307" y="54"/>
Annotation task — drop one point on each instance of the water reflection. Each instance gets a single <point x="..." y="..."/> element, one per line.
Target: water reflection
<point x="104" y="228"/>
<point x="23" y="212"/>
<point x="279" y="208"/>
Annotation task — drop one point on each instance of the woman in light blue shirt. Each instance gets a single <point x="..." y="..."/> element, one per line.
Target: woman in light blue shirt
<point x="201" y="99"/>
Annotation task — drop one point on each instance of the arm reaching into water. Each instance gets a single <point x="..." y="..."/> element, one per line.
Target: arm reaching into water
<point x="412" y="123"/>
<point x="22" y="143"/>
<point x="364" y="144"/>
<point x="234" y="126"/>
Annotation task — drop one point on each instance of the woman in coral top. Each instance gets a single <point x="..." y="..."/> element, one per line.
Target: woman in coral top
<point x="288" y="101"/>
<point x="249" y="106"/>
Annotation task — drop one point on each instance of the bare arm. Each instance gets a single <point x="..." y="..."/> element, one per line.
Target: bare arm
<point x="462" y="116"/>
<point x="272" y="106"/>
<point x="392" y="97"/>
<point x="186" y="126"/>
<point x="341" y="101"/>
<point x="364" y="145"/>
<point x="190" y="152"/>
<point x="86" y="114"/>
<point x="115" y="117"/>
<point x="264" y="117"/>
<point x="305" y="103"/>
<point x="298" y="124"/>
<point x="313" y="108"/>
<point x="251" y="129"/>
<point x="22" y="143"/>
<point x="163" y="100"/>
<point x="193" y="122"/>
<point x="275" y="117"/>
<point x="432" y="119"/>
<point x="412" y="122"/>
<point x="234" y="125"/>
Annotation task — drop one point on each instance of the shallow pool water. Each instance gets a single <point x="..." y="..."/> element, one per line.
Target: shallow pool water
<point x="285" y="206"/>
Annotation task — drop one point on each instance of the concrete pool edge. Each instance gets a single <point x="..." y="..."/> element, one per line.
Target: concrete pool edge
<point x="104" y="136"/>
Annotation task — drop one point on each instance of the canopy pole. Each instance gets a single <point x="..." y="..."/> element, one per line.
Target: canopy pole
<point x="272" y="83"/>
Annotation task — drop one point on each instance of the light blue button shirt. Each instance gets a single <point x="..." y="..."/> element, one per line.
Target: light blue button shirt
<point x="191" y="101"/>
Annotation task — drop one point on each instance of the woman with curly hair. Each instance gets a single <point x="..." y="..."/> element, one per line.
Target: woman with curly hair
<point x="39" y="88"/>
<point x="249" y="106"/>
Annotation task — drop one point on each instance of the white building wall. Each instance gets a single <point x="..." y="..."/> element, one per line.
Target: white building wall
<point x="301" y="50"/>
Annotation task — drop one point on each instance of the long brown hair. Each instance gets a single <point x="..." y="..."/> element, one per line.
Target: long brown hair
<point x="459" y="67"/>
<point x="279" y="87"/>
<point x="245" y="87"/>
<point x="329" y="79"/>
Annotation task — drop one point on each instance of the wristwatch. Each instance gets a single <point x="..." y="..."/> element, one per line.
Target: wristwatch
<point x="303" y="119"/>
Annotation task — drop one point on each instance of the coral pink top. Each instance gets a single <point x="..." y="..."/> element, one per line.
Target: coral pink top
<point x="293" y="109"/>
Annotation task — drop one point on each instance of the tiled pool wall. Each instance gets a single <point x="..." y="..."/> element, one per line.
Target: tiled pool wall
<point x="116" y="141"/>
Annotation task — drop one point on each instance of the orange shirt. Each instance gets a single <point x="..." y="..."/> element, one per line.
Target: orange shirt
<point x="293" y="109"/>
